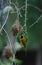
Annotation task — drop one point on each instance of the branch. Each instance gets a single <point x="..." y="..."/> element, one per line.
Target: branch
<point x="25" y="16"/>
<point x="4" y="23"/>
<point x="16" y="8"/>
<point x="35" y="21"/>
<point x="20" y="30"/>
<point x="9" y="43"/>
<point x="40" y="10"/>
<point x="8" y="38"/>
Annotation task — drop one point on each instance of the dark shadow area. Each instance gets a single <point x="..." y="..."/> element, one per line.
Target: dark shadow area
<point x="1" y="53"/>
<point x="28" y="57"/>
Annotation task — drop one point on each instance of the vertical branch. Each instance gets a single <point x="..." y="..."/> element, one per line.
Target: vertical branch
<point x="26" y="16"/>
<point x="9" y="44"/>
<point x="2" y="7"/>
<point x="4" y="17"/>
<point x="17" y="12"/>
<point x="4" y="23"/>
<point x="8" y="38"/>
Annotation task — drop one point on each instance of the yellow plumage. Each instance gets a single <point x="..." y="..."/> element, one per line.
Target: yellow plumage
<point x="23" y="40"/>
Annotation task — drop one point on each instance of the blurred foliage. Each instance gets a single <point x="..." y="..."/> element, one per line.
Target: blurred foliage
<point x="9" y="62"/>
<point x="35" y="32"/>
<point x="2" y="41"/>
<point x="34" y="35"/>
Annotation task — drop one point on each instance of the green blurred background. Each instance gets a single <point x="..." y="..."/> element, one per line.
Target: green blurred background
<point x="33" y="13"/>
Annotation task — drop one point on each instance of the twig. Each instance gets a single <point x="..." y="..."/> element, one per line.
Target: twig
<point x="40" y="10"/>
<point x="20" y="31"/>
<point x="8" y="38"/>
<point x="35" y="21"/>
<point x="4" y="23"/>
<point x="16" y="8"/>
<point x="25" y="20"/>
<point x="25" y="16"/>
<point x="10" y="44"/>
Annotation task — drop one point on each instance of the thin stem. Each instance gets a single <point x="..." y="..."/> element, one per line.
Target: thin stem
<point x="35" y="21"/>
<point x="8" y="38"/>
<point x="25" y="17"/>
<point x="20" y="31"/>
<point x="4" y="23"/>
<point x="40" y="10"/>
<point x="16" y="8"/>
<point x="26" y="12"/>
<point x="25" y="20"/>
<point x="17" y="13"/>
<point x="10" y="44"/>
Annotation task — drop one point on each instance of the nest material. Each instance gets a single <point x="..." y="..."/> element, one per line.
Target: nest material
<point x="7" y="53"/>
<point x="16" y="27"/>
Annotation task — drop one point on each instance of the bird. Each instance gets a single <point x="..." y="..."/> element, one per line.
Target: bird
<point x="23" y="40"/>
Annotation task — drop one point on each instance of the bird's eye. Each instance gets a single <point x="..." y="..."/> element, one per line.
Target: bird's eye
<point x="21" y="36"/>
